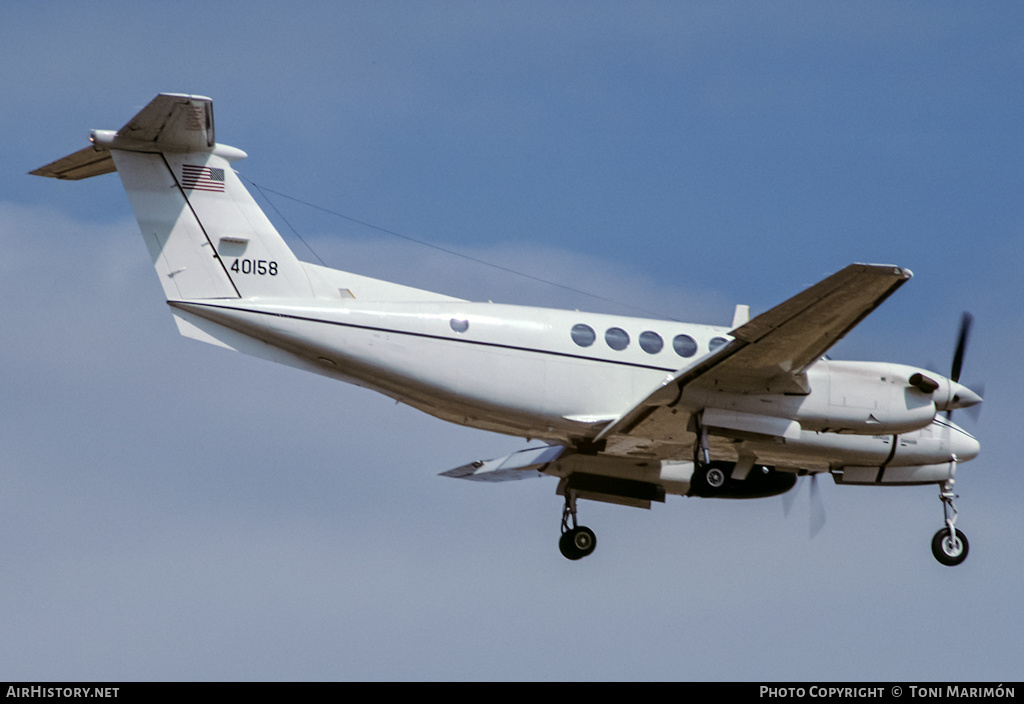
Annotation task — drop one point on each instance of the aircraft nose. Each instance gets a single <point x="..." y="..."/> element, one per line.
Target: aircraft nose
<point x="964" y="445"/>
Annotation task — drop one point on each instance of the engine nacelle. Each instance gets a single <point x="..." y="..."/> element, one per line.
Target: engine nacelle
<point x="896" y="476"/>
<point x="869" y="398"/>
<point x="861" y="398"/>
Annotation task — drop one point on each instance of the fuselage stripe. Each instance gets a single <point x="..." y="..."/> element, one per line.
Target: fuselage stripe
<point x="424" y="335"/>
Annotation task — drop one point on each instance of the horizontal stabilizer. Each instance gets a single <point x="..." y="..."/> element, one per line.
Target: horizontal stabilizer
<point x="173" y="122"/>
<point x="84" y="163"/>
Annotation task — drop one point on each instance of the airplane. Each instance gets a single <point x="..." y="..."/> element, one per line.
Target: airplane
<point x="628" y="410"/>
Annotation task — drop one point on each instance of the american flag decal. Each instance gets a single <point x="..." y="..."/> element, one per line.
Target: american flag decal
<point x="202" y="178"/>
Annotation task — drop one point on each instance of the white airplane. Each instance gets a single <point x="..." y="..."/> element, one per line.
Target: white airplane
<point x="630" y="409"/>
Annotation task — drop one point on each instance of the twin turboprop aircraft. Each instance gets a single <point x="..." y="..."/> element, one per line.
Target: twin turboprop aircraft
<point x="630" y="410"/>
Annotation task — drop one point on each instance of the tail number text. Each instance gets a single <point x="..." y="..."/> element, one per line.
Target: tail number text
<point x="259" y="267"/>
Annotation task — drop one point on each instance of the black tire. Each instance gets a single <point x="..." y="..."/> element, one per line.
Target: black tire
<point x="567" y="547"/>
<point x="950" y="552"/>
<point x="577" y="543"/>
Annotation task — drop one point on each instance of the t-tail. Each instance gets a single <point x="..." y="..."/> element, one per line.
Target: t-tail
<point x="209" y="240"/>
<point x="206" y="235"/>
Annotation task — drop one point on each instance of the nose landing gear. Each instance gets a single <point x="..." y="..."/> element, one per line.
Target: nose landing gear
<point x="949" y="545"/>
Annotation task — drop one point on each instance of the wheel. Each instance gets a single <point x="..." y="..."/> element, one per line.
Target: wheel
<point x="584" y="540"/>
<point x="950" y="551"/>
<point x="577" y="543"/>
<point x="565" y="544"/>
<point x="715" y="478"/>
<point x="709" y="480"/>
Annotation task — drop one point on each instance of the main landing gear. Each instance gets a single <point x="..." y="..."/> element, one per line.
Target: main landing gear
<point x="950" y="544"/>
<point x="578" y="541"/>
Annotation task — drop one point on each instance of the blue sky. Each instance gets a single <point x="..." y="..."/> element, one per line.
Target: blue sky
<point x="172" y="511"/>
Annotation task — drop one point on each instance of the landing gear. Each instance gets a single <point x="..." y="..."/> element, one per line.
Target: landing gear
<point x="576" y="541"/>
<point x="949" y="545"/>
<point x="709" y="479"/>
<point x="715" y="477"/>
<point x="950" y="551"/>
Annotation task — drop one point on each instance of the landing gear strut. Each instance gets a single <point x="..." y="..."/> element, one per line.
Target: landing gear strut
<point x="708" y="477"/>
<point x="949" y="545"/>
<point x="576" y="541"/>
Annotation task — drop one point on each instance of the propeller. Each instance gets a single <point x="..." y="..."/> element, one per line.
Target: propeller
<point x="959" y="396"/>
<point x="817" y="505"/>
<point x="966" y="320"/>
<point x="961" y="345"/>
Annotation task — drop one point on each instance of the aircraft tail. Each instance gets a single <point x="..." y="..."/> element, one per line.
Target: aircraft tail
<point x="207" y="236"/>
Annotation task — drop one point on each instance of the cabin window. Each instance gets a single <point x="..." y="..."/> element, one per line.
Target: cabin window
<point x="684" y="345"/>
<point x="459" y="324"/>
<point x="716" y="342"/>
<point x="617" y="338"/>
<point x="651" y="342"/>
<point x="583" y="335"/>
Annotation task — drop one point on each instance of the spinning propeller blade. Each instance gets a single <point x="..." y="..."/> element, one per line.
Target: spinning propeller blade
<point x="966" y="320"/>
<point x="817" y="505"/>
<point x="961" y="345"/>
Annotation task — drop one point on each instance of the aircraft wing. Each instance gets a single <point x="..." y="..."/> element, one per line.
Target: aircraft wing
<point x="518" y="465"/>
<point x="770" y="353"/>
<point x="627" y="481"/>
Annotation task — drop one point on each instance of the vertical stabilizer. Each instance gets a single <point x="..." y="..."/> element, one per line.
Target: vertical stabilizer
<point x="205" y="233"/>
<point x="183" y="253"/>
